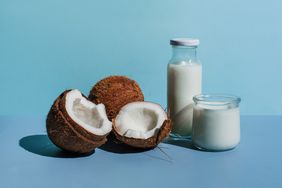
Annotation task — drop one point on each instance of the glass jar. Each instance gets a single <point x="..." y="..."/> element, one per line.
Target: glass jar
<point x="216" y="122"/>
<point x="184" y="79"/>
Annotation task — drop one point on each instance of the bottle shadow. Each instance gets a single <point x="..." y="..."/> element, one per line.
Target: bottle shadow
<point x="114" y="146"/>
<point x="42" y="145"/>
<point x="181" y="143"/>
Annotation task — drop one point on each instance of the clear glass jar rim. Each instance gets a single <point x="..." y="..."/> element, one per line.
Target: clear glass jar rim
<point x="216" y="99"/>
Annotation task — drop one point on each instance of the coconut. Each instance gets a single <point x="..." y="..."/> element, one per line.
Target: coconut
<point x="76" y="124"/>
<point x="115" y="92"/>
<point x="141" y="124"/>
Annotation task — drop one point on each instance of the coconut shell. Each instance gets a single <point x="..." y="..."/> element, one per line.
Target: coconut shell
<point x="67" y="134"/>
<point x="146" y="143"/>
<point x="115" y="92"/>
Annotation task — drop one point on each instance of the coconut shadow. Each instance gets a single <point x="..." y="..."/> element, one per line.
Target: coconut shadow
<point x="42" y="145"/>
<point x="114" y="146"/>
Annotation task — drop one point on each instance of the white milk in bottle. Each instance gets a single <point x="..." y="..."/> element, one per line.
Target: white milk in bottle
<point x="184" y="79"/>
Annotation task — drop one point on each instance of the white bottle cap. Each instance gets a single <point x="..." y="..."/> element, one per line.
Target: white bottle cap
<point x="184" y="42"/>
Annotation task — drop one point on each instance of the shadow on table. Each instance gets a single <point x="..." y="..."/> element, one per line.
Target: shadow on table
<point x="182" y="143"/>
<point x="41" y="145"/>
<point x="187" y="144"/>
<point x="114" y="146"/>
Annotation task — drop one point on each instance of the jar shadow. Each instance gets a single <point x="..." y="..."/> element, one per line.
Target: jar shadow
<point x="187" y="143"/>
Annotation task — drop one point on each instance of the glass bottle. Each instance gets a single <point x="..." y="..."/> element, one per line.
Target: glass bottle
<point x="184" y="79"/>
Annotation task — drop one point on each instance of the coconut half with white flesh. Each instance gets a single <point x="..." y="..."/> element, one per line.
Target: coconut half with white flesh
<point x="141" y="124"/>
<point x="76" y="124"/>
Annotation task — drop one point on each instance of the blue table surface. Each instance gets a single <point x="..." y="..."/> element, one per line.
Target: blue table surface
<point x="29" y="159"/>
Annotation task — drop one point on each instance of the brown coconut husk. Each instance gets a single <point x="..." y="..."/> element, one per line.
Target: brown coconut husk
<point x="115" y="92"/>
<point x="67" y="134"/>
<point x="151" y="142"/>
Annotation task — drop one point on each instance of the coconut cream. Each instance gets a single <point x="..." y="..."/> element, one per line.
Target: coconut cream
<point x="216" y="122"/>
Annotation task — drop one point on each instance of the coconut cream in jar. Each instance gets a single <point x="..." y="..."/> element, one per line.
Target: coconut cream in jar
<point x="216" y="122"/>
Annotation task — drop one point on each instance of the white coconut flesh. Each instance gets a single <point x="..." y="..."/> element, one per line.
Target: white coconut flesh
<point x="140" y="120"/>
<point x="88" y="115"/>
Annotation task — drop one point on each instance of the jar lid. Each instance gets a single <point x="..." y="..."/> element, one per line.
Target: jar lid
<point x="184" y="42"/>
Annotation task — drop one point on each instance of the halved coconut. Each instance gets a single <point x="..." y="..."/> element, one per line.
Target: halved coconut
<point x="115" y="92"/>
<point x="76" y="124"/>
<point x="141" y="124"/>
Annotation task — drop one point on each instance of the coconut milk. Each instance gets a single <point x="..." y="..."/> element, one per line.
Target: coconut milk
<point x="216" y="127"/>
<point x="184" y="81"/>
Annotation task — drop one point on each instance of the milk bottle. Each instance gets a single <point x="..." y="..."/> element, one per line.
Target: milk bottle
<point x="184" y="79"/>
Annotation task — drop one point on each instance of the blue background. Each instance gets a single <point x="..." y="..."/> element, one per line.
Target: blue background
<point x="49" y="46"/>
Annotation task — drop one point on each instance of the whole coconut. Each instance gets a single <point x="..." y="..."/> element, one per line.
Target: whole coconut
<point x="115" y="92"/>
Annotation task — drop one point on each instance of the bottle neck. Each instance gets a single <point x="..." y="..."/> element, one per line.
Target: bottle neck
<point x="184" y="53"/>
